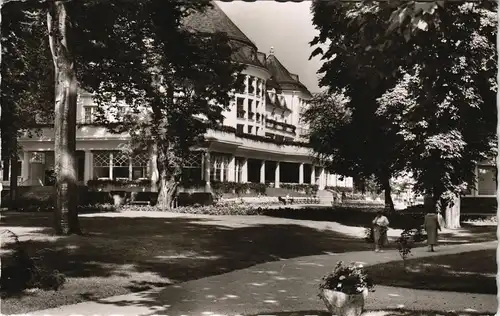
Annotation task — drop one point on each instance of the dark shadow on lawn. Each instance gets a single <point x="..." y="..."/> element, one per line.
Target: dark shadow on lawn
<point x="362" y="217"/>
<point x="180" y="249"/>
<point x="472" y="272"/>
<point x="469" y="234"/>
<point x="388" y="312"/>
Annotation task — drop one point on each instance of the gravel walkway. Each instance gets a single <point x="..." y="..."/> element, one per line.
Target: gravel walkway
<point x="281" y="286"/>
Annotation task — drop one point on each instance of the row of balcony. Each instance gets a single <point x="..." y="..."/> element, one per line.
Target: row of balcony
<point x="279" y="126"/>
<point x="271" y="124"/>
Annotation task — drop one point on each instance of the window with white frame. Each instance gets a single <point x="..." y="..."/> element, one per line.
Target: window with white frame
<point x="238" y="167"/>
<point x="102" y="165"/>
<point x="219" y="168"/>
<point x="191" y="170"/>
<point x="7" y="168"/>
<point x="118" y="165"/>
<point x="216" y="168"/>
<point x="140" y="166"/>
<point x="89" y="113"/>
<point x="487" y="180"/>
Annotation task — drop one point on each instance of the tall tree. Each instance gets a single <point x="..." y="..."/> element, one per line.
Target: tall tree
<point x="371" y="144"/>
<point x="27" y="87"/>
<point x="174" y="80"/>
<point x="66" y="215"/>
<point x="439" y="83"/>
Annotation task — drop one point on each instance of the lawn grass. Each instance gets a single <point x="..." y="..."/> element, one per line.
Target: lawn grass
<point x="119" y="255"/>
<point x="472" y="272"/>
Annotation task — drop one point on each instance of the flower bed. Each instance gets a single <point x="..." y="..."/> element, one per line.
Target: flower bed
<point x="218" y="209"/>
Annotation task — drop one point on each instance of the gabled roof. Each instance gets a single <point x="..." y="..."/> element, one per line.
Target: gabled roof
<point x="282" y="77"/>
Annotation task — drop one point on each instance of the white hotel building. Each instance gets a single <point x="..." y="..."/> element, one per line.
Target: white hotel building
<point x="261" y="141"/>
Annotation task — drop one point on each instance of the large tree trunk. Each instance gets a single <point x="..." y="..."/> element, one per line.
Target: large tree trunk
<point x="13" y="177"/>
<point x="65" y="212"/>
<point x="452" y="213"/>
<point x="389" y="204"/>
<point x="167" y="183"/>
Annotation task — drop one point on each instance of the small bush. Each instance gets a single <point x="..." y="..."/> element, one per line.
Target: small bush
<point x="369" y="235"/>
<point x="405" y="244"/>
<point x="21" y="271"/>
<point x="201" y="198"/>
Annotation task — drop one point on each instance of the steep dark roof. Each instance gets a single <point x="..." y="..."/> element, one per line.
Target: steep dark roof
<point x="215" y="20"/>
<point x="282" y="77"/>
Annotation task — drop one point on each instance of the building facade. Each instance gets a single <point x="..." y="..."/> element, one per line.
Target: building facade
<point x="261" y="140"/>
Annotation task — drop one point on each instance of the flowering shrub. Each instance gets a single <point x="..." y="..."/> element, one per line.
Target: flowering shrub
<point x="348" y="279"/>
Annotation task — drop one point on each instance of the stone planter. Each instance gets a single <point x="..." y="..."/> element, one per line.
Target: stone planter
<point x="342" y="304"/>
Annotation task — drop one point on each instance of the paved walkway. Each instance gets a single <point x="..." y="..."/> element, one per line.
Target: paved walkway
<point x="287" y="285"/>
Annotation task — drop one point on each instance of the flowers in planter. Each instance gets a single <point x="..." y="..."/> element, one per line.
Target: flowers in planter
<point x="117" y="182"/>
<point x="348" y="279"/>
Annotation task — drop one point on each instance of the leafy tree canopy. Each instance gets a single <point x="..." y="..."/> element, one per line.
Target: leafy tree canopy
<point x="435" y="95"/>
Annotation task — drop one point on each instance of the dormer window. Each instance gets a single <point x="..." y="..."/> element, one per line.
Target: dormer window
<point x="90" y="112"/>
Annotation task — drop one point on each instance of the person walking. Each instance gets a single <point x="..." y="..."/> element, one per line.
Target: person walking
<point x="380" y="225"/>
<point x="432" y="226"/>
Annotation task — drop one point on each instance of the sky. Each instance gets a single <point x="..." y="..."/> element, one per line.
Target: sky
<point x="285" y="26"/>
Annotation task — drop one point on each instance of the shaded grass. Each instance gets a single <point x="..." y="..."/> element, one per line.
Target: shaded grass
<point x="120" y="255"/>
<point x="472" y="272"/>
<point x="388" y="312"/>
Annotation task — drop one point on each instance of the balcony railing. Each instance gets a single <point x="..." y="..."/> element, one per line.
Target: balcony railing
<point x="279" y="126"/>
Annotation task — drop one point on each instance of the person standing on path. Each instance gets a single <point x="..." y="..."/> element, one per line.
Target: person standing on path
<point x="380" y="224"/>
<point x="431" y="226"/>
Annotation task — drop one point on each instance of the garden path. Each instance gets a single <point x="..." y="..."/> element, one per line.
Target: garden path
<point x="284" y="286"/>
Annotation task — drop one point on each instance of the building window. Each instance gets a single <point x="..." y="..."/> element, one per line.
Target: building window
<point x="242" y="89"/>
<point x="251" y="85"/>
<point x="250" y="129"/>
<point x="219" y="170"/>
<point x="140" y="166"/>
<point x="6" y="169"/>
<point x="250" y="110"/>
<point x="80" y="165"/>
<point x="487" y="180"/>
<point x="240" y="110"/>
<point x="256" y="130"/>
<point x="239" y="128"/>
<point x="238" y="166"/>
<point x="191" y="169"/>
<point x="215" y="168"/>
<point x="102" y="164"/>
<point x="118" y="165"/>
<point x="89" y="113"/>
